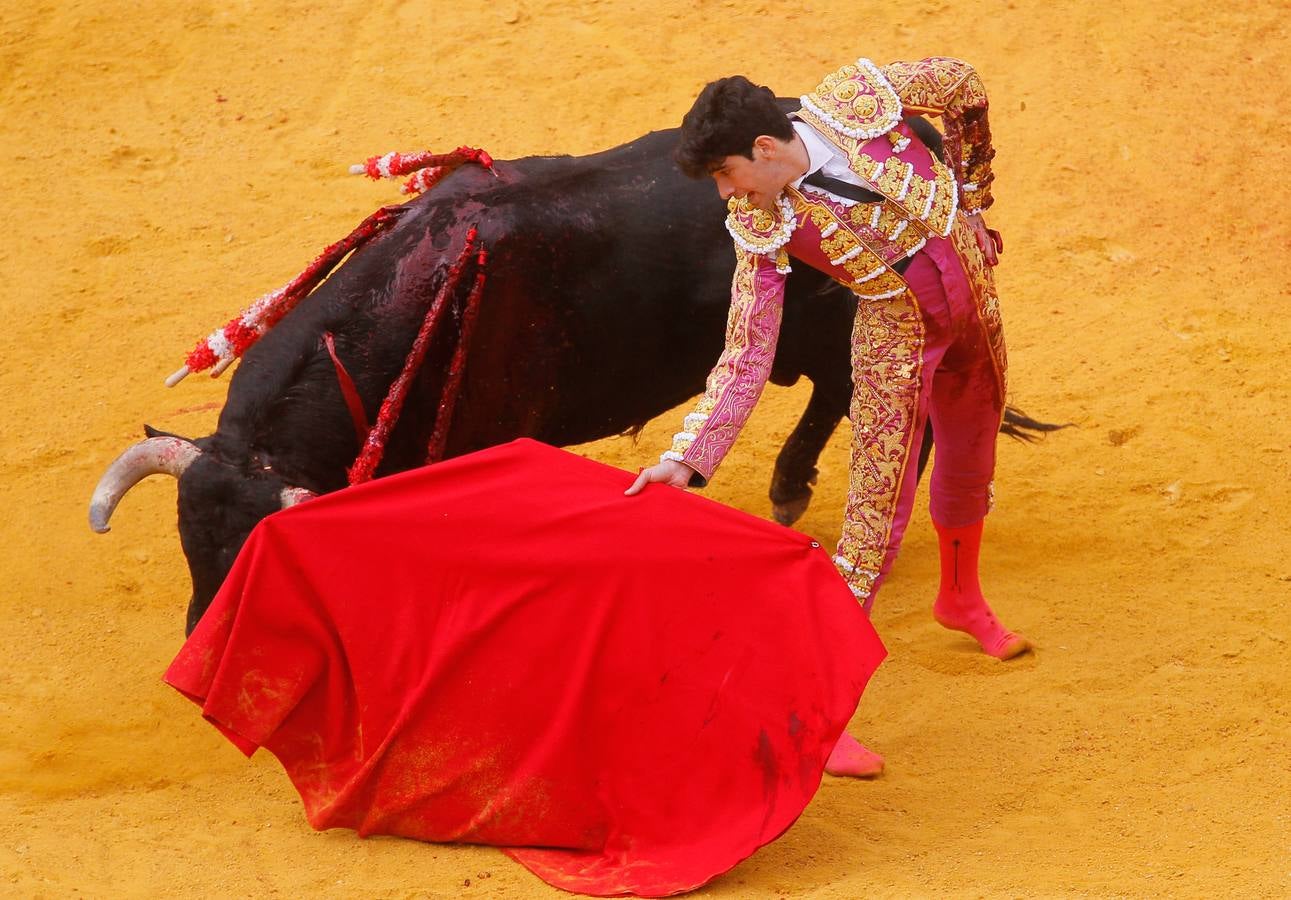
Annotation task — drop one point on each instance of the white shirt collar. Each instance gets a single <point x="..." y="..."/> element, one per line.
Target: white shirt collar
<point x="819" y="150"/>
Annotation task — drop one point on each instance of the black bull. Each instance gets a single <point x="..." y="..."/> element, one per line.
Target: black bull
<point x="605" y="305"/>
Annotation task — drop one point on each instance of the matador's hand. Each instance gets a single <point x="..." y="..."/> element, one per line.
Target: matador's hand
<point x="669" y="471"/>
<point x="988" y="239"/>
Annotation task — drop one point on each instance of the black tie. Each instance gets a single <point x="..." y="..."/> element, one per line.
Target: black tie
<point x="841" y="188"/>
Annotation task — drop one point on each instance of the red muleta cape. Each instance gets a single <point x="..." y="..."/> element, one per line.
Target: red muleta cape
<point x="630" y="694"/>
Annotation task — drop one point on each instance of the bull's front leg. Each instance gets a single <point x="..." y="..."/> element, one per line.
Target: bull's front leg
<point x="795" y="467"/>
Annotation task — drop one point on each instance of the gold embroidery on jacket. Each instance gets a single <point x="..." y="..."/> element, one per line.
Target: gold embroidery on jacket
<point x="759" y="228"/>
<point x="936" y="85"/>
<point x="856" y="100"/>
<point x="737" y="380"/>
<point x="853" y="241"/>
<point x="897" y="180"/>
<point x="951" y="88"/>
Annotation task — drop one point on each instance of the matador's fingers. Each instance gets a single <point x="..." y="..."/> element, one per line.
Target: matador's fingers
<point x="643" y="478"/>
<point x="986" y="243"/>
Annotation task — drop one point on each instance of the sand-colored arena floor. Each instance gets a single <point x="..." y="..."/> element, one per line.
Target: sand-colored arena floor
<point x="162" y="164"/>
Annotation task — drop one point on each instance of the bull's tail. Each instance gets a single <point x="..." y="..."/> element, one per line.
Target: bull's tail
<point x="1020" y="426"/>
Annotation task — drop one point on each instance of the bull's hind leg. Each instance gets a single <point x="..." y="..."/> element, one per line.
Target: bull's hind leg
<point x="795" y="467"/>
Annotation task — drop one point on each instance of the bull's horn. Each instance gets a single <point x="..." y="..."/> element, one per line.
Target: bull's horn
<point x="290" y="496"/>
<point x="153" y="456"/>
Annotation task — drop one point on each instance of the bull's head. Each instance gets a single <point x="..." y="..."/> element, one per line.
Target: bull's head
<point x="219" y="503"/>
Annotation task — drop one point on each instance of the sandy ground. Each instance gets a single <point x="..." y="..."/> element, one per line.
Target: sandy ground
<point x="162" y="164"/>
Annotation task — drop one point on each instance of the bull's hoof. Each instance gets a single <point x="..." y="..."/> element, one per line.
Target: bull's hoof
<point x="791" y="511"/>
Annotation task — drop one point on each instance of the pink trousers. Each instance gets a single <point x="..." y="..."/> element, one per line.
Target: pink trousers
<point x="957" y="389"/>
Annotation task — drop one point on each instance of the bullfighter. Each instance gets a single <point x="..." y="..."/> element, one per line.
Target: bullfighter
<point x="847" y="185"/>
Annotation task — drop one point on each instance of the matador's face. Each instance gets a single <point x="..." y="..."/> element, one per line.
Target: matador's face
<point x="761" y="179"/>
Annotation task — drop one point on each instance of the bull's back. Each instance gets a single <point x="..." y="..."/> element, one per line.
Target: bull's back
<point x="608" y="287"/>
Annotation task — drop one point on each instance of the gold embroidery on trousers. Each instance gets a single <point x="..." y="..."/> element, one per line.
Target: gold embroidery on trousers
<point x="887" y="371"/>
<point x="982" y="280"/>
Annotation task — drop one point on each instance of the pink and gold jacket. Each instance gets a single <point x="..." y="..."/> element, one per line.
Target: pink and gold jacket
<point x="859" y="109"/>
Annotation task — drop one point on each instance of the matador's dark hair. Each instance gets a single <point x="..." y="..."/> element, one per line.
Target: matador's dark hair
<point x="727" y="116"/>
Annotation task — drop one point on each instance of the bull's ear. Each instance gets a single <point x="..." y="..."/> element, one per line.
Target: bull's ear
<point x="153" y="432"/>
